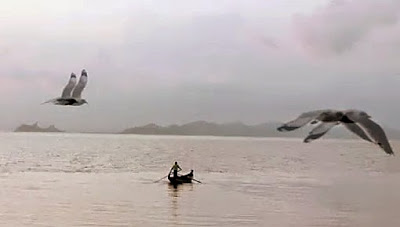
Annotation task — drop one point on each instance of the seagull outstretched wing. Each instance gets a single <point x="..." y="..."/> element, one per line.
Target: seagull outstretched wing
<point x="77" y="92"/>
<point x="319" y="131"/>
<point x="371" y="129"/>
<point x="376" y="133"/>
<point x="68" y="88"/>
<point x="301" y="120"/>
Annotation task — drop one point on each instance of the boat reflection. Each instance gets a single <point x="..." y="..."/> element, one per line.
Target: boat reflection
<point x="176" y="192"/>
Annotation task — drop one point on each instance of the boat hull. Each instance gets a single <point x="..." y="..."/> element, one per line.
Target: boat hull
<point x="180" y="179"/>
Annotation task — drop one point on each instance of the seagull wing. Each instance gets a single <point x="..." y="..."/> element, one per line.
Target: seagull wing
<point x="353" y="127"/>
<point x="319" y="131"/>
<point x="301" y="120"/>
<point x="376" y="133"/>
<point x="68" y="88"/>
<point x="372" y="129"/>
<point x="77" y="92"/>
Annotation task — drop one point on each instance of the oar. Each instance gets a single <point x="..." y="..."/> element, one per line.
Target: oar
<point x="197" y="181"/>
<point x="160" y="179"/>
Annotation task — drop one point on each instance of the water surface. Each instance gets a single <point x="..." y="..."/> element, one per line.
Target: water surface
<point x="108" y="180"/>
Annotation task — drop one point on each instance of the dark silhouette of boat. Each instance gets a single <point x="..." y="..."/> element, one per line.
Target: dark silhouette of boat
<point x="181" y="179"/>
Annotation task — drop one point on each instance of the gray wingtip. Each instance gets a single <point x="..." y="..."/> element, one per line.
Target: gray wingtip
<point x="387" y="150"/>
<point x="286" y="128"/>
<point x="283" y="128"/>
<point x="83" y="73"/>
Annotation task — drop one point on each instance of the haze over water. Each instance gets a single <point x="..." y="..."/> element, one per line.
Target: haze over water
<point x="107" y="180"/>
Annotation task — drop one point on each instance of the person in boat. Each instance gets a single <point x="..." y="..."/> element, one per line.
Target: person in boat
<point x="190" y="174"/>
<point x="176" y="168"/>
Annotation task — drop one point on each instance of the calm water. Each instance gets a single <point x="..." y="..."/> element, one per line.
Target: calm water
<point x="107" y="180"/>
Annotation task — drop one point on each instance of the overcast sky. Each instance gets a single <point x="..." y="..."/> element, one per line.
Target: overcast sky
<point x="179" y="61"/>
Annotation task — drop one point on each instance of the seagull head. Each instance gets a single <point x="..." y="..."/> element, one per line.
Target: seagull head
<point x="81" y="102"/>
<point x="339" y="114"/>
<point x="364" y="114"/>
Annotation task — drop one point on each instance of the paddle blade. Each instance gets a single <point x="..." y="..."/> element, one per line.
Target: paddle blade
<point x="197" y="181"/>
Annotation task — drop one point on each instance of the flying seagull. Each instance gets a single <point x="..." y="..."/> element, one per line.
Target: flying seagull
<point x="76" y="89"/>
<point x="356" y="121"/>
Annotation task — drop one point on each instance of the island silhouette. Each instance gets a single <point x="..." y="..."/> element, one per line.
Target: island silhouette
<point x="205" y="128"/>
<point x="35" y="128"/>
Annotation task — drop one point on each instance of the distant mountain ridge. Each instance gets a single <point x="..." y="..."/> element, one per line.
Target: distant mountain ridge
<point x="204" y="128"/>
<point x="35" y="128"/>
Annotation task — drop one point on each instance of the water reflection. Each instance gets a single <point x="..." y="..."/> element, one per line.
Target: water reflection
<point x="176" y="192"/>
<point x="46" y="180"/>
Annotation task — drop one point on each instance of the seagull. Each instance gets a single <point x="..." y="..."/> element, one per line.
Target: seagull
<point x="76" y="89"/>
<point x="356" y="121"/>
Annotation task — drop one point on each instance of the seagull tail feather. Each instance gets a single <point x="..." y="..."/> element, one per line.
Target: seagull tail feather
<point x="49" y="101"/>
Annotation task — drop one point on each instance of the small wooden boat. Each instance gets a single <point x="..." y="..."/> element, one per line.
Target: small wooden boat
<point x="181" y="179"/>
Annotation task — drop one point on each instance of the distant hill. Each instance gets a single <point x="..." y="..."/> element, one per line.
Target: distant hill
<point x="35" y="128"/>
<point x="240" y="129"/>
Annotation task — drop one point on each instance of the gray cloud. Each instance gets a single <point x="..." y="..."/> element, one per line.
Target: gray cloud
<point x="231" y="61"/>
<point x="344" y="24"/>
